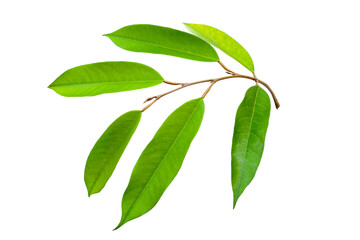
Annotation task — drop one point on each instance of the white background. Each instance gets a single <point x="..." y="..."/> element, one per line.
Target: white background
<point x="307" y="185"/>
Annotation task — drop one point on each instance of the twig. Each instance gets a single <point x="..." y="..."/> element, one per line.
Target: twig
<point x="228" y="71"/>
<point x="173" y="83"/>
<point x="208" y="89"/>
<point x="257" y="80"/>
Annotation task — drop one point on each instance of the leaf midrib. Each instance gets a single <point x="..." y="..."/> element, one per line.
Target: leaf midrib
<point x="162" y="161"/>
<point x="163" y="46"/>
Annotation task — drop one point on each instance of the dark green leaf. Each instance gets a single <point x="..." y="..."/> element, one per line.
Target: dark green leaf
<point x="161" y="160"/>
<point x="108" y="149"/>
<point x="105" y="77"/>
<point x="162" y="40"/>
<point x="224" y="42"/>
<point x="251" y="123"/>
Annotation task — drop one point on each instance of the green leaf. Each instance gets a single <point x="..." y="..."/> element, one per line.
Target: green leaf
<point x="224" y="42"/>
<point x="251" y="123"/>
<point x="161" y="160"/>
<point x="105" y="77"/>
<point x="108" y="149"/>
<point x="162" y="40"/>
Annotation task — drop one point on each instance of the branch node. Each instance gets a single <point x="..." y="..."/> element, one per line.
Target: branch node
<point x="150" y="98"/>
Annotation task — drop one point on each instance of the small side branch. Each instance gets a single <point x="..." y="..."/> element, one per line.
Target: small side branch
<point x="173" y="83"/>
<point x="257" y="80"/>
<point x="208" y="89"/>
<point x="157" y="97"/>
<point x="228" y="71"/>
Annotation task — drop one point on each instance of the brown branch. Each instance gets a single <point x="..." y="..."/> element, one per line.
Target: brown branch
<point x="213" y="81"/>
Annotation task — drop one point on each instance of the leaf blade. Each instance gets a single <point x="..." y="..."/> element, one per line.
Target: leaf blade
<point x="161" y="160"/>
<point x="105" y="77"/>
<point x="222" y="41"/>
<point x="108" y="149"/>
<point x="251" y="122"/>
<point x="162" y="40"/>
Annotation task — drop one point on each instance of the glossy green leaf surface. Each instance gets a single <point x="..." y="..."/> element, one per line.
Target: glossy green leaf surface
<point x="105" y="77"/>
<point x="161" y="160"/>
<point x="251" y="123"/>
<point x="224" y="42"/>
<point x="107" y="151"/>
<point x="162" y="40"/>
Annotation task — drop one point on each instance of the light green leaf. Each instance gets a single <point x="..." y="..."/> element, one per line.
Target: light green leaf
<point x="224" y="42"/>
<point x="162" y="40"/>
<point x="107" y="151"/>
<point x="105" y="77"/>
<point x="251" y="123"/>
<point x="161" y="160"/>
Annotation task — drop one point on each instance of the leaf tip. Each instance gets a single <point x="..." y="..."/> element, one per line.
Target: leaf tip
<point x="118" y="226"/>
<point x="90" y="188"/>
<point x="51" y="86"/>
<point x="188" y="24"/>
<point x="54" y="88"/>
<point x="234" y="204"/>
<point x="93" y="191"/>
<point x="236" y="198"/>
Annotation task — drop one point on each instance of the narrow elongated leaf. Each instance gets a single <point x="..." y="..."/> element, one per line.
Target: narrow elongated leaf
<point x="105" y="77"/>
<point x="108" y="149"/>
<point x="224" y="42"/>
<point x="161" y="160"/>
<point x="251" y="123"/>
<point x="162" y="40"/>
